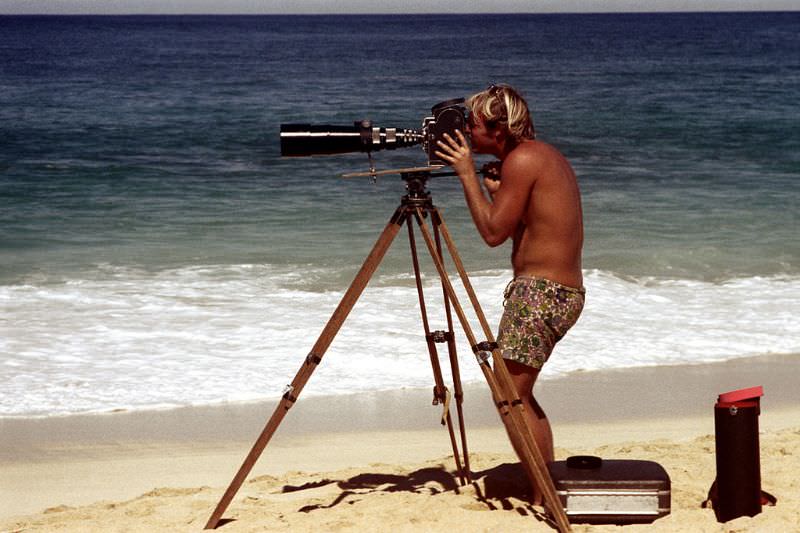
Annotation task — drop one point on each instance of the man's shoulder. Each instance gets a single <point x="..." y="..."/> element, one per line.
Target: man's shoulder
<point x="531" y="151"/>
<point x="537" y="156"/>
<point x="528" y="156"/>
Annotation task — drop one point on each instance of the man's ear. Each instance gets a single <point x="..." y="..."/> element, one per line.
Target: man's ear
<point x="499" y="135"/>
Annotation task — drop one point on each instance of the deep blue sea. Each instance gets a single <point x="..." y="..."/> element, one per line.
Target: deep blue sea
<point x="156" y="250"/>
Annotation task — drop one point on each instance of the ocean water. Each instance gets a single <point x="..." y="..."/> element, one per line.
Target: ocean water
<point x="156" y="250"/>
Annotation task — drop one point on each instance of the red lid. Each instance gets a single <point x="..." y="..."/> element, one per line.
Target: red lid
<point x="742" y="394"/>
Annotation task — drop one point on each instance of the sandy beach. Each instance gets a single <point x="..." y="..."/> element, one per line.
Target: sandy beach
<point x="382" y="462"/>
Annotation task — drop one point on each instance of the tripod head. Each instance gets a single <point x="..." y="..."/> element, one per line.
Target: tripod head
<point x="416" y="185"/>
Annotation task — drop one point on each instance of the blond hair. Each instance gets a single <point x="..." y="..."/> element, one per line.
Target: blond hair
<point x="502" y="105"/>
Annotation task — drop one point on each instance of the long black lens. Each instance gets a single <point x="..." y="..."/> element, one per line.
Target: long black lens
<point x="299" y="140"/>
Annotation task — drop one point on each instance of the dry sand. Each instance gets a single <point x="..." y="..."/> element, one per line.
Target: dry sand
<point x="381" y="462"/>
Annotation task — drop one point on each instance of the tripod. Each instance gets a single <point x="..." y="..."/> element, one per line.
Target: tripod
<point x="417" y="205"/>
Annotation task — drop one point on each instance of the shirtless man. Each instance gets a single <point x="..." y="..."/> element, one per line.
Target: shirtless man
<point x="536" y="203"/>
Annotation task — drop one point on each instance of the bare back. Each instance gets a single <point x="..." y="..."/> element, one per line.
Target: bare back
<point x="549" y="238"/>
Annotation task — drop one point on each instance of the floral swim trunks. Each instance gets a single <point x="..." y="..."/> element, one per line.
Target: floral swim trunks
<point x="538" y="313"/>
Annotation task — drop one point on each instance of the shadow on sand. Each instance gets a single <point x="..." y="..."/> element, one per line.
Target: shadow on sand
<point x="503" y="487"/>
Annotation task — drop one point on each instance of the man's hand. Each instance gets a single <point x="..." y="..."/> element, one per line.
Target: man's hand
<point x="456" y="152"/>
<point x="491" y="177"/>
<point x="491" y="185"/>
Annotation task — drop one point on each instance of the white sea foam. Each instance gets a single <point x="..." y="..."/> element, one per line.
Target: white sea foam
<point x="132" y="339"/>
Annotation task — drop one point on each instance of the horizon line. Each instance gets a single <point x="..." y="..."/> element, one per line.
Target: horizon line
<point x="365" y="13"/>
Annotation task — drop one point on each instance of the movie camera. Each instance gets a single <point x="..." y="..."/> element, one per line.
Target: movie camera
<point x="298" y="140"/>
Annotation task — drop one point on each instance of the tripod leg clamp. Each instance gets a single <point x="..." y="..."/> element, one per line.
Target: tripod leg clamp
<point x="439" y="336"/>
<point x="287" y="394"/>
<point x="483" y="351"/>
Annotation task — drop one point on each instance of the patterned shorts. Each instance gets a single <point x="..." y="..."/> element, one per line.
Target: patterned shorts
<point x="538" y="313"/>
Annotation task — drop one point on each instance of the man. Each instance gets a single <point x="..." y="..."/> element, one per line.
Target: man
<point x="536" y="203"/>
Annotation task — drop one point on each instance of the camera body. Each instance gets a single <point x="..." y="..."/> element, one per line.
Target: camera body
<point x="448" y="116"/>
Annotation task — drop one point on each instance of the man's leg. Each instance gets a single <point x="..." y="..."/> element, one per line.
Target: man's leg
<point x="524" y="377"/>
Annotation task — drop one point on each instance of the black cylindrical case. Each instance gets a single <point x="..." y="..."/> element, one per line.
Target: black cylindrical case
<point x="738" y="464"/>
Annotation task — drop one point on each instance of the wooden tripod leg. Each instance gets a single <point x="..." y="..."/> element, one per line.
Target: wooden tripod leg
<point x="499" y="381"/>
<point x="453" y="354"/>
<point x="320" y="347"/>
<point x="440" y="391"/>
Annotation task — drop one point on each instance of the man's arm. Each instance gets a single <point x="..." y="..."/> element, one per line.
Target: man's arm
<point x="496" y="221"/>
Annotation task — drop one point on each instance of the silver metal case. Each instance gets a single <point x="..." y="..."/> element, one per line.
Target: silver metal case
<point x="599" y="491"/>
